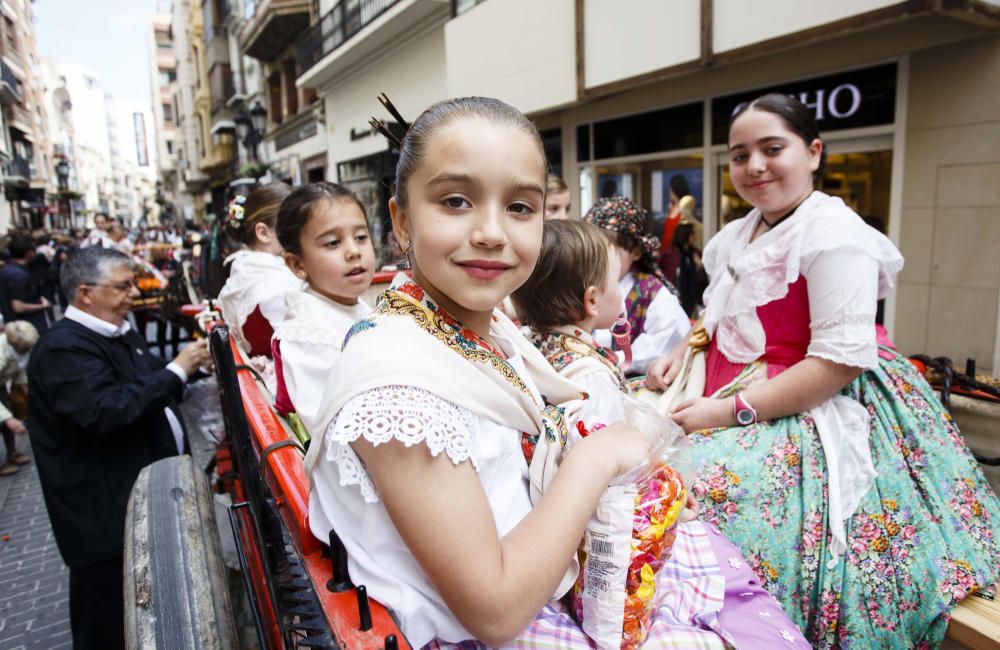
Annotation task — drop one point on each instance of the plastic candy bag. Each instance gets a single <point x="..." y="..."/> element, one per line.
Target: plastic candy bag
<point x="630" y="536"/>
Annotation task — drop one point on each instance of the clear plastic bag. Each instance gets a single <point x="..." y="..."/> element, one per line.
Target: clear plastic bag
<point x="630" y="536"/>
<point x="202" y="411"/>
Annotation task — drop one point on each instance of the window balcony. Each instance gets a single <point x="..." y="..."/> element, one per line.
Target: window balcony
<point x="355" y="29"/>
<point x="18" y="172"/>
<point x="10" y="85"/>
<point x="273" y="27"/>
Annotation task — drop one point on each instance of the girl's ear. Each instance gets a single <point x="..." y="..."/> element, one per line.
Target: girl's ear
<point x="635" y="253"/>
<point x="295" y="265"/>
<point x="815" y="154"/>
<point x="263" y="233"/>
<point x="400" y="224"/>
<point x="590" y="302"/>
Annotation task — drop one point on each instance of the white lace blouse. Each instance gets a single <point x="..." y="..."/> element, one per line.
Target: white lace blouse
<point x="343" y="497"/>
<point x="256" y="279"/>
<point x="312" y="336"/>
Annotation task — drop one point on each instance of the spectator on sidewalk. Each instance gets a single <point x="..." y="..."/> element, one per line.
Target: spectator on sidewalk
<point x="16" y="342"/>
<point x="100" y="408"/>
<point x="20" y="298"/>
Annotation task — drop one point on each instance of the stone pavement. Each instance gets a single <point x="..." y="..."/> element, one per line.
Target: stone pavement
<point x="34" y="582"/>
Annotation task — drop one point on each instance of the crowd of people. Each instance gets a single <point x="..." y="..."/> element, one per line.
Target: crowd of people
<point x="466" y="422"/>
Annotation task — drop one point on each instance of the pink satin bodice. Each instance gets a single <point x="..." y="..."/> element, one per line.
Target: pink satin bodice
<point x="786" y="327"/>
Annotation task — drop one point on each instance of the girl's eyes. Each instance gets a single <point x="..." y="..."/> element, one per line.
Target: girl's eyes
<point x="521" y="208"/>
<point x="774" y="149"/>
<point x="455" y="202"/>
<point x="332" y="243"/>
<point x="737" y="157"/>
<point x="361" y="238"/>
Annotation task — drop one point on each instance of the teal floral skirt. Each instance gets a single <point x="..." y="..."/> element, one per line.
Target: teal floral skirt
<point x="925" y="536"/>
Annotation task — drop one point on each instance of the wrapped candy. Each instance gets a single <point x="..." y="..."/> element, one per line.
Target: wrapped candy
<point x="613" y="597"/>
<point x="628" y="539"/>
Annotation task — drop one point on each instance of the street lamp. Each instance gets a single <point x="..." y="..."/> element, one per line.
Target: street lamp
<point x="62" y="173"/>
<point x="250" y="126"/>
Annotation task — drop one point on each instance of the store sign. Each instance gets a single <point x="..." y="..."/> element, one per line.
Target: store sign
<point x="842" y="101"/>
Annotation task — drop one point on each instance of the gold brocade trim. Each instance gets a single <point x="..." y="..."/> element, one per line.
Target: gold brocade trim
<point x="394" y="303"/>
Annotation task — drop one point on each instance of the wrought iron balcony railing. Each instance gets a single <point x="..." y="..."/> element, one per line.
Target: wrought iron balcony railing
<point x="347" y="18"/>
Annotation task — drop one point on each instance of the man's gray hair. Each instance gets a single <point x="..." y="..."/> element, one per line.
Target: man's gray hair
<point x="90" y="265"/>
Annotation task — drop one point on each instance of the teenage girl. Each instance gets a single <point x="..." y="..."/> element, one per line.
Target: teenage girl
<point x="826" y="458"/>
<point x="253" y="299"/>
<point x="324" y="233"/>
<point x="416" y="459"/>
<point x="656" y="319"/>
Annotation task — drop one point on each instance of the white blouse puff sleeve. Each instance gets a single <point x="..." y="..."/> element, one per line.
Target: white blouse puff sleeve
<point x="343" y="498"/>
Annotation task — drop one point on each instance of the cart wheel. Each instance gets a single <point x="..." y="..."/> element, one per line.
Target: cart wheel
<point x="175" y="580"/>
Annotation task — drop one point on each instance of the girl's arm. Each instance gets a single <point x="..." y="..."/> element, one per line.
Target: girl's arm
<point x="843" y="291"/>
<point x="495" y="587"/>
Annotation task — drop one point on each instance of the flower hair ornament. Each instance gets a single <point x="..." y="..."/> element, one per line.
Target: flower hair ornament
<point x="236" y="211"/>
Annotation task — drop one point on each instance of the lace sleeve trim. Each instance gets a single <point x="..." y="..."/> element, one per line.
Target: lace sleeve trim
<point x="845" y="319"/>
<point x="404" y="413"/>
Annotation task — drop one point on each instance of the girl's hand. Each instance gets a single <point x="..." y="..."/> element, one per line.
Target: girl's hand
<point x="621" y="445"/>
<point x="704" y="413"/>
<point x="691" y="509"/>
<point x="663" y="370"/>
<point x="16" y="426"/>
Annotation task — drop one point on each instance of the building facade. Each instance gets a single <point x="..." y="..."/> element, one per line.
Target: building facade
<point x="27" y="169"/>
<point x="628" y="95"/>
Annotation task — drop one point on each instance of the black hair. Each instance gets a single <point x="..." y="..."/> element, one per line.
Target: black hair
<point x="299" y="206"/>
<point x="414" y="143"/>
<point x="679" y="186"/>
<point x="682" y="235"/>
<point x="20" y="246"/>
<point x="796" y="116"/>
<point x="260" y="206"/>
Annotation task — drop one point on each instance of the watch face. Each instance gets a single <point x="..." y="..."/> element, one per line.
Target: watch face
<point x="744" y="416"/>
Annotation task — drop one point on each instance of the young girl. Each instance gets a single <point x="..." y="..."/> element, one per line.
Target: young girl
<point x="827" y="459"/>
<point x="574" y="289"/>
<point x="416" y="458"/>
<point x="557" y="199"/>
<point x="656" y="319"/>
<point x="324" y="232"/>
<point x="253" y="299"/>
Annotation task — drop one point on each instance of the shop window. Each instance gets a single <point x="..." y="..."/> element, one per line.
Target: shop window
<point x="680" y="127"/>
<point x="552" y="143"/>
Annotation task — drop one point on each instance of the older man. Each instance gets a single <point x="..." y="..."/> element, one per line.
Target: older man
<point x="100" y="408"/>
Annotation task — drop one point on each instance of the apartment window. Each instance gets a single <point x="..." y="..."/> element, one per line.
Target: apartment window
<point x="11" y="36"/>
<point x="168" y="113"/>
<point x="291" y="92"/>
<point x="170" y="146"/>
<point x="167" y="77"/>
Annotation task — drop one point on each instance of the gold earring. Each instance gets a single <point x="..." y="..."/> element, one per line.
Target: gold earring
<point x="408" y="248"/>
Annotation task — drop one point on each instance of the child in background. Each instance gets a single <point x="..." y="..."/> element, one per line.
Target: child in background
<point x="557" y="198"/>
<point x="15" y="345"/>
<point x="324" y="232"/>
<point x="253" y="299"/>
<point x="573" y="290"/>
<point x="656" y="319"/>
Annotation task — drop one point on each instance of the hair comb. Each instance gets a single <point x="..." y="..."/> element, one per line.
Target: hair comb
<point x="381" y="127"/>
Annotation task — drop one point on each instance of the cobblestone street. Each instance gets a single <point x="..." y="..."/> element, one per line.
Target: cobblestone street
<point x="34" y="582"/>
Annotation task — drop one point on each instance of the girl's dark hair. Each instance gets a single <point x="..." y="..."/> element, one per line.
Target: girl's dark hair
<point x="682" y="235"/>
<point x="299" y="206"/>
<point x="414" y="144"/>
<point x="574" y="256"/>
<point x="260" y="206"/>
<point x="796" y="116"/>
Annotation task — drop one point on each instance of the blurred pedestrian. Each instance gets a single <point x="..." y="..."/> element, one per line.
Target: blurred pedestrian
<point x="16" y="342"/>
<point x="20" y="298"/>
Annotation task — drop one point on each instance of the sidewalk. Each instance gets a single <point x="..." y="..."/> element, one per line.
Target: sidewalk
<point x="34" y="582"/>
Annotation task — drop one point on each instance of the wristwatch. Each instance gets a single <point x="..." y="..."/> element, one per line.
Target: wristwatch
<point x="743" y="412"/>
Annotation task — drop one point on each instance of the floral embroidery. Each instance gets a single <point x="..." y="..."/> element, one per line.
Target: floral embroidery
<point x="561" y="349"/>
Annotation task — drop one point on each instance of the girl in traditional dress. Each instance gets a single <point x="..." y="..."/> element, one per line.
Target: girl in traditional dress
<point x="416" y="459"/>
<point x="657" y="321"/>
<point x="253" y="299"/>
<point x="324" y="233"/>
<point x="574" y="289"/>
<point x="828" y="460"/>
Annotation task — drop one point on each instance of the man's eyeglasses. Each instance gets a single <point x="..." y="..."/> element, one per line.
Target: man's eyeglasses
<point x="117" y="286"/>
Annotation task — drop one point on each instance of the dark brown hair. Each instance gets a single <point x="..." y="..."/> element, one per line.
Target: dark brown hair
<point x="574" y="256"/>
<point x="299" y="206"/>
<point x="414" y="144"/>
<point x="261" y="206"/>
<point x="796" y="116"/>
